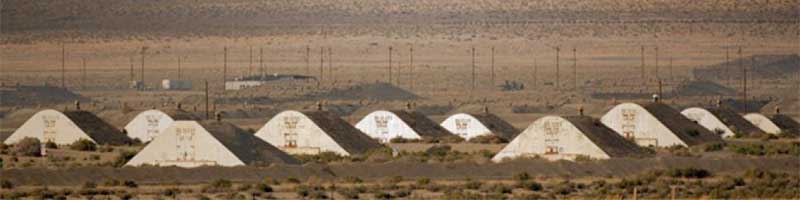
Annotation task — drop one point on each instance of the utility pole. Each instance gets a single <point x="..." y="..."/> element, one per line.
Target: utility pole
<point x="142" y="75"/>
<point x="83" y="82"/>
<point x="744" y="80"/>
<point x="308" y="61"/>
<point x="658" y="77"/>
<point x="671" y="75"/>
<point x="644" y="81"/>
<point x="390" y="65"/>
<point x="558" y="54"/>
<point x="411" y="66"/>
<point x="206" y="89"/>
<point x="473" y="68"/>
<point x="224" y="70"/>
<point x="492" y="84"/>
<point x="727" y="66"/>
<point x="321" y="66"/>
<point x="63" y="66"/>
<point x="131" y="62"/>
<point x="179" y="67"/>
<point x="535" y="73"/>
<point x="330" y="65"/>
<point x="250" y="67"/>
<point x="575" y="66"/>
<point x="261" y="61"/>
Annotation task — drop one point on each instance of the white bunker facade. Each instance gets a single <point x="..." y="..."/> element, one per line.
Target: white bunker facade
<point x="565" y="138"/>
<point x="208" y="143"/>
<point x="64" y="128"/>
<point x="315" y="132"/>
<point x="469" y="126"/>
<point x="763" y="123"/>
<point x="150" y="123"/>
<point x="656" y="124"/>
<point x="723" y="121"/>
<point x="387" y="125"/>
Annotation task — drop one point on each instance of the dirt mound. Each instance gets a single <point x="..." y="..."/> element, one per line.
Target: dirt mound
<point x="759" y="66"/>
<point x="374" y="91"/>
<point x="37" y="95"/>
<point x="703" y="88"/>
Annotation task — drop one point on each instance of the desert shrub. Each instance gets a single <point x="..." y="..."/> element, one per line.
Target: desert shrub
<point x="402" y="193"/>
<point x="692" y="132"/>
<point x="130" y="184"/>
<point x="170" y="192"/>
<point x="451" y="139"/>
<point x="792" y="148"/>
<point x="564" y="188"/>
<point x="292" y="180"/>
<point x="688" y="173"/>
<point x="530" y="185"/>
<point x="583" y="158"/>
<point x="89" y="185"/>
<point x="221" y="184"/>
<point x="83" y="145"/>
<point x="28" y="147"/>
<point x="438" y="150"/>
<point x="460" y="194"/>
<point x="94" y="157"/>
<point x="123" y="157"/>
<point x="497" y="189"/>
<point x="6" y="184"/>
<point x="106" y="148"/>
<point x="50" y="145"/>
<point x="349" y="193"/>
<point x="487" y="139"/>
<point x="400" y="140"/>
<point x="713" y="147"/>
<point x="111" y="182"/>
<point x="263" y="187"/>
<point x="521" y="176"/>
<point x="382" y="195"/>
<point x="323" y="157"/>
<point x="395" y="179"/>
<point x="423" y="181"/>
<point x="473" y="184"/>
<point x="351" y="179"/>
<point x="312" y="192"/>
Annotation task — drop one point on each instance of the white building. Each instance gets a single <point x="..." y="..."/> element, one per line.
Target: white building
<point x="208" y="143"/>
<point x="148" y="124"/>
<point x="763" y="123"/>
<point x="168" y="84"/>
<point x="66" y="128"/>
<point x="656" y="124"/>
<point x="314" y="132"/>
<point x="557" y="138"/>
<point x="386" y="125"/>
<point x="469" y="126"/>
<point x="725" y="122"/>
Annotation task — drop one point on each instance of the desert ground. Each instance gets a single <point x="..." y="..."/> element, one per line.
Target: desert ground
<point x="568" y="55"/>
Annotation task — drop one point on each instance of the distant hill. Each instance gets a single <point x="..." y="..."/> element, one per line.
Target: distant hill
<point x="758" y="66"/>
<point x="37" y="95"/>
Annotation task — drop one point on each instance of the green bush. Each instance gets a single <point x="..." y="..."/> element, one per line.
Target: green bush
<point x="292" y="180"/>
<point x="130" y="184"/>
<point x="530" y="185"/>
<point x="688" y="173"/>
<point x="451" y="139"/>
<point x="423" y="181"/>
<point x="123" y="157"/>
<point x="50" y="145"/>
<point x="28" y="147"/>
<point x="263" y="187"/>
<point x="89" y="185"/>
<point x="487" y="139"/>
<point x="473" y="184"/>
<point x="83" y="145"/>
<point x="521" y="176"/>
<point x="323" y="157"/>
<point x="400" y="140"/>
<point x="5" y="184"/>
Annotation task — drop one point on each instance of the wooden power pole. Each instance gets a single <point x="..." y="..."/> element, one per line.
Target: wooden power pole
<point x="491" y="85"/>
<point x="390" y="65"/>
<point x="473" y="68"/>
<point x="575" y="66"/>
<point x="558" y="54"/>
<point x="411" y="66"/>
<point x="63" y="66"/>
